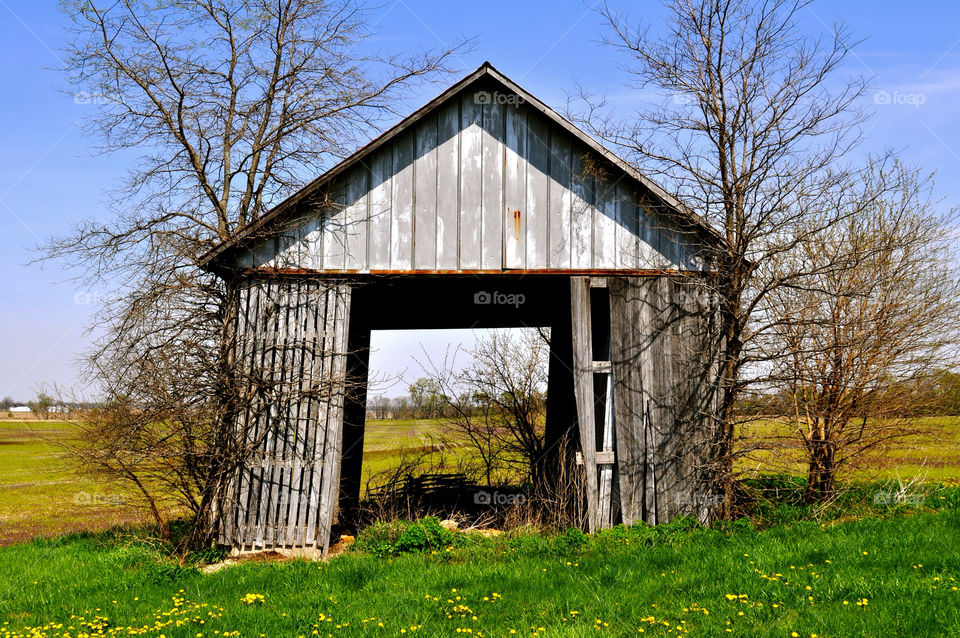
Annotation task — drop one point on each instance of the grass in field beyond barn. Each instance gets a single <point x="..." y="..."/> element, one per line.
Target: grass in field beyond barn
<point x="42" y="495"/>
<point x="892" y="576"/>
<point x="933" y="453"/>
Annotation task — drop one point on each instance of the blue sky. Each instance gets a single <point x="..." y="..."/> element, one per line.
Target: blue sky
<point x="49" y="179"/>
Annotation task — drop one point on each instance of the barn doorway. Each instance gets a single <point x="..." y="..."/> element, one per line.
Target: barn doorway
<point x="439" y="433"/>
<point x="426" y="454"/>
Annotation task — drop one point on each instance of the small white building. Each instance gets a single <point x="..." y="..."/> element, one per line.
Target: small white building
<point x="20" y="408"/>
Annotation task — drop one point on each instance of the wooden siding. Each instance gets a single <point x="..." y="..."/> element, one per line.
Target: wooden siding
<point x="664" y="357"/>
<point x="480" y="184"/>
<point x="291" y="353"/>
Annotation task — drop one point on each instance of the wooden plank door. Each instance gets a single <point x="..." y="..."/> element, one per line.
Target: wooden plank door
<point x="292" y="355"/>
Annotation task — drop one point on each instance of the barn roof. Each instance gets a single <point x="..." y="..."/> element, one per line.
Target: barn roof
<point x="488" y="76"/>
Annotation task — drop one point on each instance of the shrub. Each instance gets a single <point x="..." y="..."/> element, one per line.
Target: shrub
<point x="400" y="537"/>
<point x="425" y="534"/>
<point x="571" y="541"/>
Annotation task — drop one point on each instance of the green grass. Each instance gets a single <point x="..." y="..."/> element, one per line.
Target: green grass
<point x="665" y="581"/>
<point x="41" y="494"/>
<point x="670" y="580"/>
<point x="390" y="443"/>
<point x="932" y="453"/>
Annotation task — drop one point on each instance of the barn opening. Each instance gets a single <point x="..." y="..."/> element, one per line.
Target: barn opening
<point x="507" y="305"/>
<point x="455" y="419"/>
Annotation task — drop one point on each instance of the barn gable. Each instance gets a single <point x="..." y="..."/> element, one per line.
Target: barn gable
<point x="485" y="178"/>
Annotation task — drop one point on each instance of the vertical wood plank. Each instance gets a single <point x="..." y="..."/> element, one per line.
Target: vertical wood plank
<point x="381" y="168"/>
<point x="561" y="201"/>
<point x="471" y="183"/>
<point x="425" y="195"/>
<point x="312" y="251"/>
<point x="581" y="210"/>
<point x="491" y="248"/>
<point x="334" y="230"/>
<point x="662" y="425"/>
<point x="515" y="187"/>
<point x="401" y="223"/>
<point x="648" y="256"/>
<point x="583" y="389"/>
<point x="355" y="218"/>
<point x="627" y="228"/>
<point x="537" y="210"/>
<point x="605" y="217"/>
<point x="448" y="186"/>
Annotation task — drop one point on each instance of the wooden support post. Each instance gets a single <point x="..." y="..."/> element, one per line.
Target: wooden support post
<point x="583" y="390"/>
<point x="354" y="418"/>
<point x="560" y="429"/>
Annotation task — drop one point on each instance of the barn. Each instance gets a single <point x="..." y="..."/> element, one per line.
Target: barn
<point x="484" y="208"/>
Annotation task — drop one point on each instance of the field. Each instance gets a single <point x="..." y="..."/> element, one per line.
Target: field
<point x="933" y="453"/>
<point x="385" y="442"/>
<point x="40" y="494"/>
<point x="860" y="569"/>
<point x="895" y="576"/>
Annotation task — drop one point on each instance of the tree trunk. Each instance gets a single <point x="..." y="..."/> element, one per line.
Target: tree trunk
<point x="821" y="469"/>
<point x="224" y="454"/>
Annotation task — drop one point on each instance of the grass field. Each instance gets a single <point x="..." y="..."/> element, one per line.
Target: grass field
<point x="40" y="494"/>
<point x="933" y="453"/>
<point x="895" y="576"/>
<point x="861" y="569"/>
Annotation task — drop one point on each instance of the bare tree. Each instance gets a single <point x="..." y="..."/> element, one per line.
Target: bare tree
<point x="753" y="120"/>
<point x="230" y="105"/>
<point x="876" y="317"/>
<point x="401" y="407"/>
<point x="497" y="404"/>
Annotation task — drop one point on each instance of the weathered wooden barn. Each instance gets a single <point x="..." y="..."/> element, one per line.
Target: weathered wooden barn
<point x="484" y="208"/>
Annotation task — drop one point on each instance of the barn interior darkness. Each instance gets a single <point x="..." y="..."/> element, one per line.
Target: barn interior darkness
<point x="452" y="302"/>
